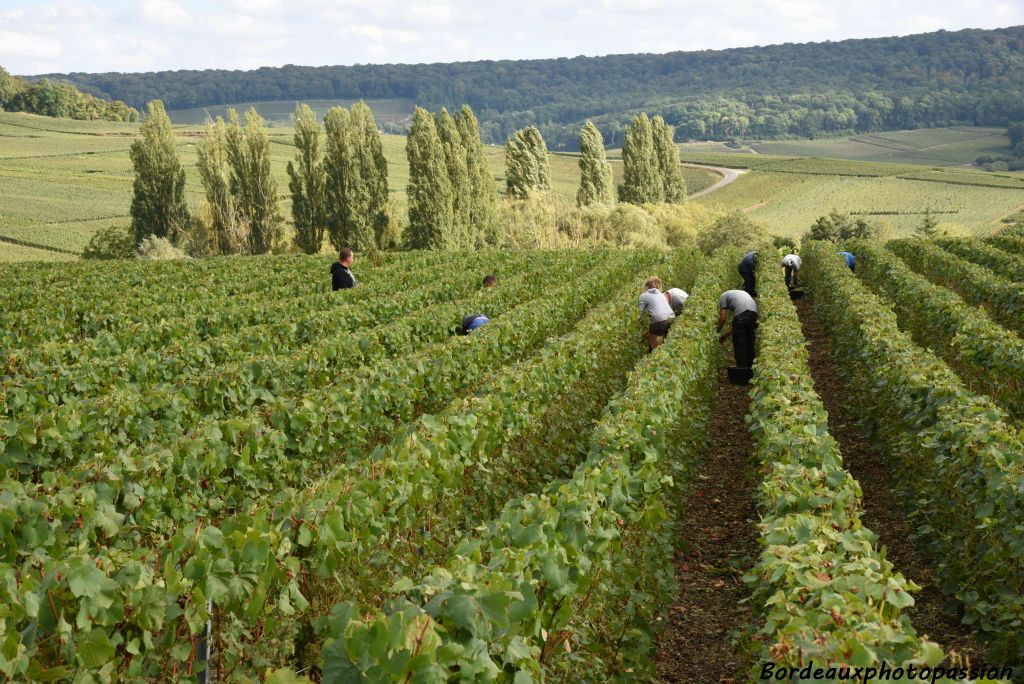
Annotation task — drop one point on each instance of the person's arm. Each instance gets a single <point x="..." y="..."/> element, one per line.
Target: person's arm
<point x="721" y="323"/>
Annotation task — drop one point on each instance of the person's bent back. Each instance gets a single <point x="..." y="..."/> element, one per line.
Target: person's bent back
<point x="792" y="263"/>
<point x="744" y="323"/>
<point x="654" y="303"/>
<point x="676" y="299"/>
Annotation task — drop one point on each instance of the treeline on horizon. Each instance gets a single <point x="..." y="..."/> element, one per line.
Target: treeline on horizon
<point x="63" y="100"/>
<point x="970" y="77"/>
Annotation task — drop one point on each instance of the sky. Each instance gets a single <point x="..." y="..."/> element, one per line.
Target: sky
<point x="45" y="36"/>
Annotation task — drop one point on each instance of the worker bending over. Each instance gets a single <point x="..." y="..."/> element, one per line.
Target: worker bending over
<point x="850" y="261"/>
<point x="654" y="303"/>
<point x="792" y="263"/>
<point x="676" y="299"/>
<point x="744" y="323"/>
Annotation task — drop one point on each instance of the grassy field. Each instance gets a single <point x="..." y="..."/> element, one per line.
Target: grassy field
<point x="788" y="193"/>
<point x="279" y="113"/>
<point x="932" y="146"/>
<point x="63" y="180"/>
<point x="789" y="201"/>
<point x="929" y="146"/>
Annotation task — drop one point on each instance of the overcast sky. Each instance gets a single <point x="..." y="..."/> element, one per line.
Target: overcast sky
<point x="40" y="36"/>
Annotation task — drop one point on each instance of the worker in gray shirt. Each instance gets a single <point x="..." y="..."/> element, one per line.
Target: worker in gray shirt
<point x="744" y="323"/>
<point x="654" y="303"/>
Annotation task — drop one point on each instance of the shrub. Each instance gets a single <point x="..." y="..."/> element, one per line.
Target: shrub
<point x="113" y="242"/>
<point x="158" y="249"/>
<point x="681" y="223"/>
<point x="734" y="229"/>
<point x="837" y="227"/>
<point x="629" y="224"/>
<point x="787" y="244"/>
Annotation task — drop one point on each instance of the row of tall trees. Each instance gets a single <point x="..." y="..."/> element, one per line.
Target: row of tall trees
<point x="338" y="180"/>
<point x="451" y="192"/>
<point x="241" y="212"/>
<point x="651" y="168"/>
<point x="651" y="172"/>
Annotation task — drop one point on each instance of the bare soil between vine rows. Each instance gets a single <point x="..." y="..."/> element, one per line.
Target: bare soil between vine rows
<point x="717" y="544"/>
<point x="933" y="615"/>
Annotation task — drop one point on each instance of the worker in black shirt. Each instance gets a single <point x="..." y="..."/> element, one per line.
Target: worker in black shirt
<point x="341" y="277"/>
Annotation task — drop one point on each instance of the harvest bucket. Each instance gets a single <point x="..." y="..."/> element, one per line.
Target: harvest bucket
<point x="739" y="376"/>
<point x="795" y="293"/>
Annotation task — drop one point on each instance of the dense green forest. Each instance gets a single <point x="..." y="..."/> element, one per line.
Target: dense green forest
<point x="58" y="99"/>
<point x="970" y="77"/>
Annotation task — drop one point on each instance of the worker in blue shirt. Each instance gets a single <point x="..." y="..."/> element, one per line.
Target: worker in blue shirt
<point x="472" y="322"/>
<point x="849" y="260"/>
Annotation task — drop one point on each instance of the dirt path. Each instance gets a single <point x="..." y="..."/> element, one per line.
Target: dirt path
<point x="718" y="542"/>
<point x="932" y="615"/>
<point x="728" y="176"/>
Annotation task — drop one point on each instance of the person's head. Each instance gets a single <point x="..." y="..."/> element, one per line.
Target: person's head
<point x="346" y="256"/>
<point x="489" y="281"/>
<point x="653" y="283"/>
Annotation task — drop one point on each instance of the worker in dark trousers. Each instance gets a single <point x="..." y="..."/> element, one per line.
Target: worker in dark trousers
<point x="850" y="260"/>
<point x="744" y="323"/>
<point x="748" y="265"/>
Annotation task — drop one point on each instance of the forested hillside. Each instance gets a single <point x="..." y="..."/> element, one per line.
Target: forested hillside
<point x="970" y="77"/>
<point x="58" y="99"/>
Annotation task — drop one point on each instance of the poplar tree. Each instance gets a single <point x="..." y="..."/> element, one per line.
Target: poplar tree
<point x="307" y="183"/>
<point x="458" y="175"/>
<point x="483" y="212"/>
<point x="158" y="198"/>
<point x="535" y="142"/>
<point x="430" y="189"/>
<point x="336" y="126"/>
<point x="252" y="185"/>
<point x="357" y="179"/>
<point x="596" y="185"/>
<point x="527" y="169"/>
<point x="230" y="233"/>
<point x="668" y="161"/>
<point x="641" y="175"/>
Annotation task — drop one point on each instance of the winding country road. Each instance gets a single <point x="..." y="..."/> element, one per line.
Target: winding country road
<point x="728" y="176"/>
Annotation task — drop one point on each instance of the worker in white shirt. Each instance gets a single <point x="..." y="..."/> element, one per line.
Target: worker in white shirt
<point x="791" y="263"/>
<point x="654" y="303"/>
<point x="676" y="299"/>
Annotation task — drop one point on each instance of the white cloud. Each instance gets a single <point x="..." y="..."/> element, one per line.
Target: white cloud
<point x="165" y="13"/>
<point x="18" y="44"/>
<point x="131" y="35"/>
